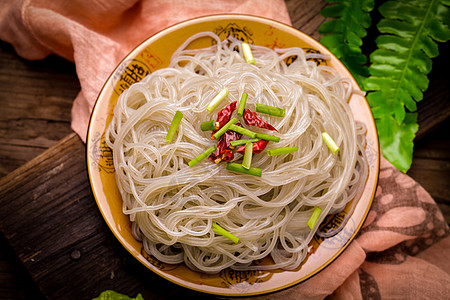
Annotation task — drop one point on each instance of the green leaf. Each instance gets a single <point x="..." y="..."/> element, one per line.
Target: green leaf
<point x="343" y="34"/>
<point x="112" y="295"/>
<point x="398" y="71"/>
<point x="396" y="140"/>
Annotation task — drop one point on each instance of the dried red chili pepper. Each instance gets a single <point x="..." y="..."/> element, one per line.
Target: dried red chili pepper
<point x="231" y="136"/>
<point x="257" y="147"/>
<point x="223" y="151"/>
<point x="251" y="118"/>
<point x="224" y="115"/>
<point x="225" y="155"/>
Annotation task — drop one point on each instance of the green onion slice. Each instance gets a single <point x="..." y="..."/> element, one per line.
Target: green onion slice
<point x="219" y="230"/>
<point x="242" y="102"/>
<point x="208" y="125"/>
<point x="239" y="168"/>
<point x="246" y="163"/>
<point x="217" y="99"/>
<point x="174" y="126"/>
<point x="281" y="150"/>
<point x="242" y="142"/>
<point x="267" y="137"/>
<point x="329" y="142"/>
<point x="270" y="110"/>
<point x="202" y="156"/>
<point x="243" y="131"/>
<point x="224" y="128"/>
<point x="315" y="215"/>
<point x="248" y="55"/>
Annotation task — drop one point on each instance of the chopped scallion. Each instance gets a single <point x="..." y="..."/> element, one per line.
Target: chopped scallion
<point x="243" y="131"/>
<point x="219" y="230"/>
<point x="281" y="150"/>
<point x="224" y="128"/>
<point x="242" y="102"/>
<point x="217" y="99"/>
<point x="314" y="217"/>
<point x="268" y="137"/>
<point x="174" y="126"/>
<point x="202" y="156"/>
<point x="248" y="55"/>
<point x="329" y="142"/>
<point x="270" y="110"/>
<point x="247" y="161"/>
<point x="242" y="142"/>
<point x="239" y="168"/>
<point x="207" y="125"/>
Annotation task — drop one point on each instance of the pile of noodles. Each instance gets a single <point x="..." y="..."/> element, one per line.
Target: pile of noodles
<point x="173" y="206"/>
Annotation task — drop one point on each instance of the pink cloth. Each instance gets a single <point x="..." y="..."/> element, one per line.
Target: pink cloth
<point x="403" y="249"/>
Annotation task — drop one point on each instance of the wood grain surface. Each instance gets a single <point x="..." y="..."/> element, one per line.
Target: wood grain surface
<point x="52" y="232"/>
<point x="36" y="99"/>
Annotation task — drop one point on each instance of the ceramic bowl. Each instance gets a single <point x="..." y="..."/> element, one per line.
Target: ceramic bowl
<point x="155" y="53"/>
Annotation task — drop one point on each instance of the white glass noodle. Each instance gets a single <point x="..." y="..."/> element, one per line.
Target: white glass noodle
<point x="172" y="206"/>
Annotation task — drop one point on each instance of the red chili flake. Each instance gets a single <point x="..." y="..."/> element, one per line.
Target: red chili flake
<point x="257" y="147"/>
<point x="251" y="118"/>
<point x="223" y="151"/>
<point x="224" y="115"/>
<point x="225" y="155"/>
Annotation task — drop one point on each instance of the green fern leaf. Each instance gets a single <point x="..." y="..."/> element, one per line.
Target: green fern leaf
<point x="396" y="139"/>
<point x="344" y="32"/>
<point x="399" y="68"/>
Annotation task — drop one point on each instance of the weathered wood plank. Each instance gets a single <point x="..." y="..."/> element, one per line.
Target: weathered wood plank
<point x="35" y="100"/>
<point x="431" y="166"/>
<point x="68" y="219"/>
<point x="16" y="283"/>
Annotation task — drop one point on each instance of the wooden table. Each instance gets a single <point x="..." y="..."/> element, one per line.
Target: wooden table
<point x="54" y="242"/>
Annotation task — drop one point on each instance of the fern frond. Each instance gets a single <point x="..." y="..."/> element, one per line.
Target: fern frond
<point x="343" y="34"/>
<point x="399" y="68"/>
